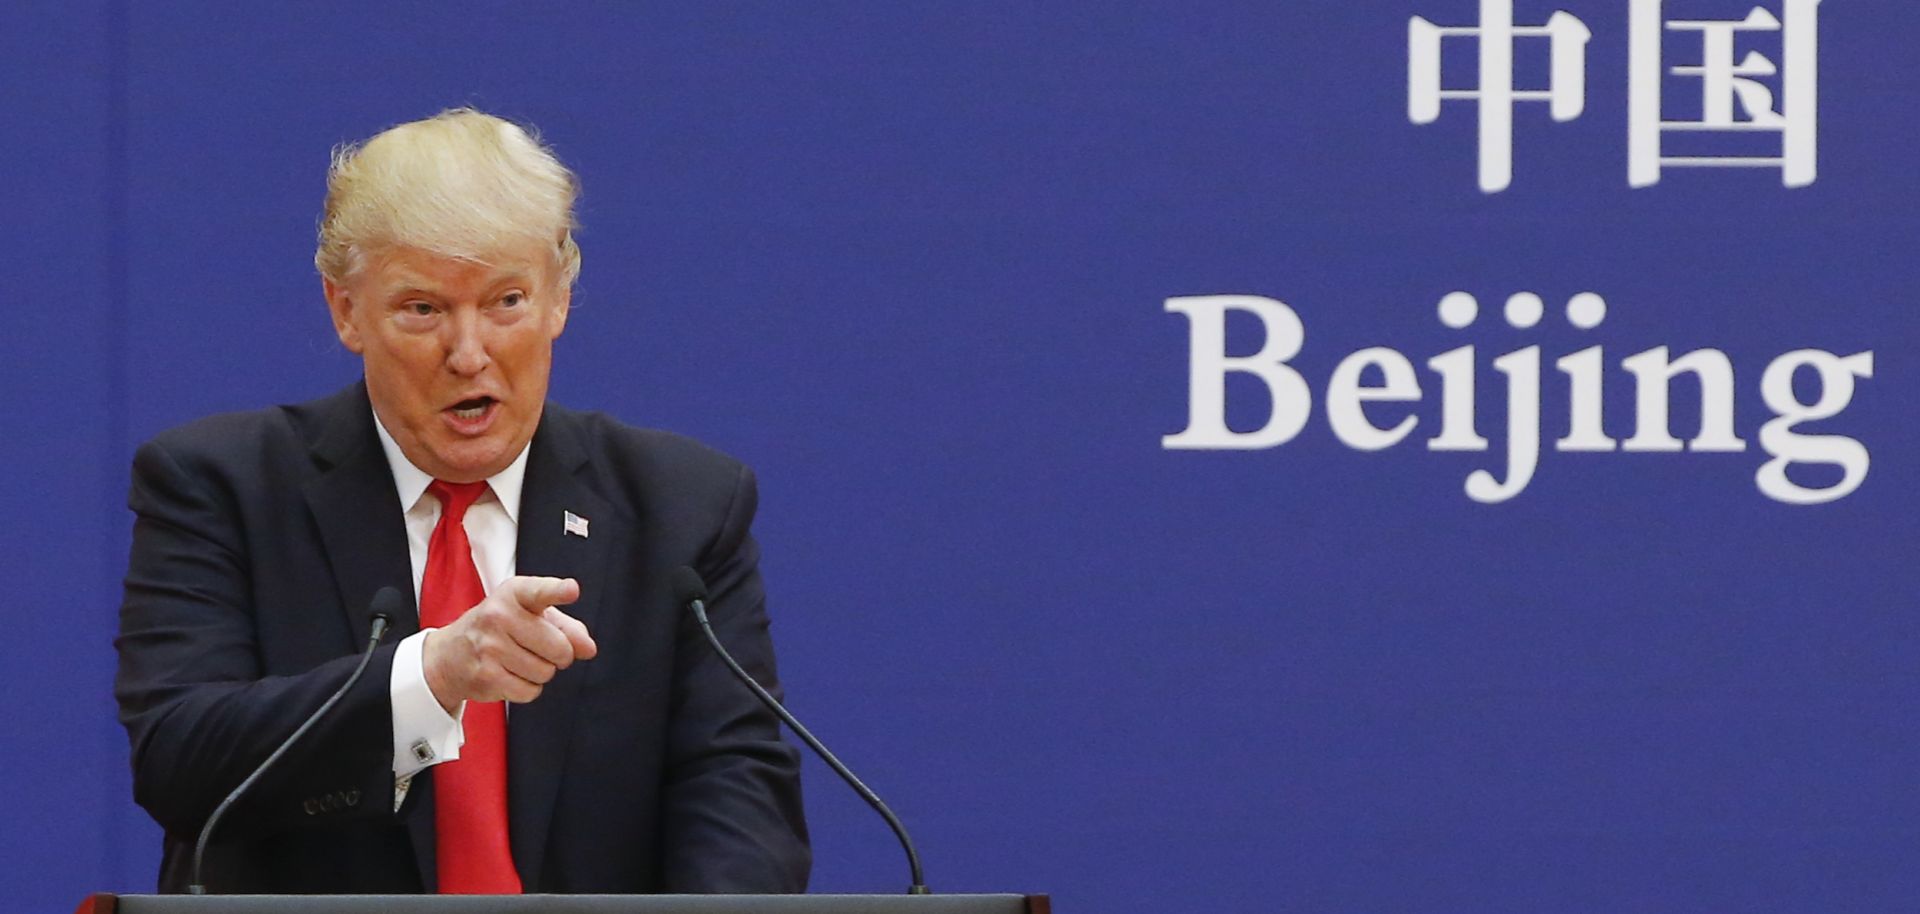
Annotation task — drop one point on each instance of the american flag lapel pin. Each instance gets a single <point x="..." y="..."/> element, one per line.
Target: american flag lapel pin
<point x="575" y="525"/>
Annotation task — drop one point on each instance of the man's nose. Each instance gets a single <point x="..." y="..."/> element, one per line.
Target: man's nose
<point x="467" y="349"/>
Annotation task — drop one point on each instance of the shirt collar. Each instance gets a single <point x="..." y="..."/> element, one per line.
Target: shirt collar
<point x="411" y="482"/>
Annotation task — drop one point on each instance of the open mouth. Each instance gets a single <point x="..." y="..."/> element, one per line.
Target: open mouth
<point x="472" y="408"/>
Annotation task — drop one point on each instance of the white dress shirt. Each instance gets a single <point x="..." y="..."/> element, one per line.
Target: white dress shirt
<point x="424" y="734"/>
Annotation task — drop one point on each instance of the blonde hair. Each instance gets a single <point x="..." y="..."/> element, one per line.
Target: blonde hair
<point x="461" y="184"/>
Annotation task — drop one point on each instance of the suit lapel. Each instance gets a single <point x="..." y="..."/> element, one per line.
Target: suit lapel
<point x="364" y="532"/>
<point x="538" y="732"/>
<point x="358" y="513"/>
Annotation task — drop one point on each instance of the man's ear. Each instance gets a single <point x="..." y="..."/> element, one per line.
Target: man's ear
<point x="562" y="305"/>
<point x="340" y="308"/>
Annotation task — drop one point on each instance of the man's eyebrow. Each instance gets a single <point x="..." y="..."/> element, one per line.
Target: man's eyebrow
<point x="411" y="284"/>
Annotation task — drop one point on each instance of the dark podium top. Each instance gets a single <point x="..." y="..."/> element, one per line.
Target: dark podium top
<point x="565" y="904"/>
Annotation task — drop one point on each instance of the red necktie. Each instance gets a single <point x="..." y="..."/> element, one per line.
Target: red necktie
<point x="469" y="793"/>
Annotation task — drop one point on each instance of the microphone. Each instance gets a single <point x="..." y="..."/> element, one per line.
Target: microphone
<point x="387" y="603"/>
<point x="690" y="591"/>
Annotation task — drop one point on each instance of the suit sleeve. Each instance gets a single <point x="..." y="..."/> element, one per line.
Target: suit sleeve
<point x="198" y="711"/>
<point x="733" y="820"/>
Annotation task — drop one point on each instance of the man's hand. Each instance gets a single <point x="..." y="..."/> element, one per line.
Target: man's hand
<point x="508" y="646"/>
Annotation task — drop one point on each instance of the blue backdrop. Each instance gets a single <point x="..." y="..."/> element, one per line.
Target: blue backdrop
<point x="912" y="262"/>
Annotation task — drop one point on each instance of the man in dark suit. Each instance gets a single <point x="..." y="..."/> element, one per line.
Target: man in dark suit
<point x="537" y="543"/>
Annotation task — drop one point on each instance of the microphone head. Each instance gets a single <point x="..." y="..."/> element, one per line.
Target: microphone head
<point x="388" y="603"/>
<point x="687" y="586"/>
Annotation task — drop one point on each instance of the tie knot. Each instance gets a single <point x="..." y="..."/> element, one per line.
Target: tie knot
<point x="456" y="497"/>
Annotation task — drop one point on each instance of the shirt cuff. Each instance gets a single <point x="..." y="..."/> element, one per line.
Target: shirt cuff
<point x="424" y="734"/>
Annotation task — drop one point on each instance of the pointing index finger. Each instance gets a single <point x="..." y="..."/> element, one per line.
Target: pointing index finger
<point x="535" y="594"/>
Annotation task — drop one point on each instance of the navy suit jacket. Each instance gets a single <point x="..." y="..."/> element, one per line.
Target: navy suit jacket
<point x="259" y="540"/>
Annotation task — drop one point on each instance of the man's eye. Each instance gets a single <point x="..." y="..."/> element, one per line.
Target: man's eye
<point x="513" y="299"/>
<point x="423" y="309"/>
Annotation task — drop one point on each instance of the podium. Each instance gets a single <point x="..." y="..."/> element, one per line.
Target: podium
<point x="565" y="904"/>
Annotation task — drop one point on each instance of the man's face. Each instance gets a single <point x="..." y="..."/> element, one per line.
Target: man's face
<point x="457" y="353"/>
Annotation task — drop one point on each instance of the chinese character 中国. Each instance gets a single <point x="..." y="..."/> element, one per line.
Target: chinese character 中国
<point x="1735" y="95"/>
